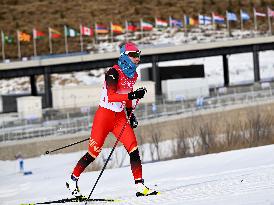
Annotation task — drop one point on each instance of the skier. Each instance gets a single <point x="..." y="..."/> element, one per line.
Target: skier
<point x="117" y="94"/>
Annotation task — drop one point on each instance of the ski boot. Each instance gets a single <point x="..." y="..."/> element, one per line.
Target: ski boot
<point x="143" y="190"/>
<point x="72" y="185"/>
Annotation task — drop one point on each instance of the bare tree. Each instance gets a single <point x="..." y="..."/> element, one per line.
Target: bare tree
<point x="207" y="134"/>
<point x="156" y="138"/>
<point x="182" y="143"/>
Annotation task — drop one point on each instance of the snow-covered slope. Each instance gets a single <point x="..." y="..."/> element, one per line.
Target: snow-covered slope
<point x="235" y="177"/>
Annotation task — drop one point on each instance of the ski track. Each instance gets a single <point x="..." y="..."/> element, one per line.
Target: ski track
<point x="207" y="188"/>
<point x="244" y="177"/>
<point x="192" y="190"/>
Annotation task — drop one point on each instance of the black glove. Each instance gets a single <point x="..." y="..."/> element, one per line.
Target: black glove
<point x="133" y="120"/>
<point x="137" y="94"/>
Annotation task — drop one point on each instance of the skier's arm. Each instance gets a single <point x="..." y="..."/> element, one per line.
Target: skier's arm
<point x="111" y="79"/>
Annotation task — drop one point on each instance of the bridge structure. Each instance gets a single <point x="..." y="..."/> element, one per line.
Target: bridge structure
<point x="67" y="64"/>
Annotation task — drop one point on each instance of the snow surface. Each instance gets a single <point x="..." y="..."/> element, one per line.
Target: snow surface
<point x="235" y="177"/>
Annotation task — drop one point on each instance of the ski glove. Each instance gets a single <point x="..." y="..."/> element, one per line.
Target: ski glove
<point x="133" y="120"/>
<point x="137" y="94"/>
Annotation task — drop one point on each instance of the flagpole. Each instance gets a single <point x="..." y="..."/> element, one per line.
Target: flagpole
<point x="66" y="38"/>
<point x="50" y="43"/>
<point x="141" y="24"/>
<point x="169" y="22"/>
<point x="3" y="45"/>
<point x="227" y="23"/>
<point x="269" y="21"/>
<point x="185" y="21"/>
<point x="242" y="23"/>
<point x="95" y="33"/>
<point x="111" y="32"/>
<point x="81" y="39"/>
<point x="255" y="19"/>
<point x="213" y="22"/>
<point x="18" y="45"/>
<point x="199" y="25"/>
<point x="126" y="26"/>
<point x="34" y="41"/>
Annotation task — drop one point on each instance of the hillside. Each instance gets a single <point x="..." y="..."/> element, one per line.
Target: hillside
<point x="41" y="14"/>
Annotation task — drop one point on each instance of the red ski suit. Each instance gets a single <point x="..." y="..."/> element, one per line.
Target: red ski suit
<point x="110" y="116"/>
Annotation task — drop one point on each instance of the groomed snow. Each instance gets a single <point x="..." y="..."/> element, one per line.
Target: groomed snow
<point x="235" y="177"/>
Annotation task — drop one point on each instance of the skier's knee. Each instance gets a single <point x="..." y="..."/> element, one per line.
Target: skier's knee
<point x="92" y="154"/>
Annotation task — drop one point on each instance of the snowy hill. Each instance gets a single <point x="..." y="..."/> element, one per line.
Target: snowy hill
<point x="236" y="177"/>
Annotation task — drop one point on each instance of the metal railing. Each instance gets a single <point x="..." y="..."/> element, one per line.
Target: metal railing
<point x="73" y="121"/>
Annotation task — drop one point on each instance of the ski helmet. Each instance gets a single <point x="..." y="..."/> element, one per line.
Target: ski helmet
<point x="125" y="63"/>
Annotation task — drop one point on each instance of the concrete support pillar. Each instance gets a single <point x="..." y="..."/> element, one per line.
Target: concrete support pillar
<point x="33" y="85"/>
<point x="47" y="84"/>
<point x="256" y="64"/>
<point x="226" y="71"/>
<point x="156" y="77"/>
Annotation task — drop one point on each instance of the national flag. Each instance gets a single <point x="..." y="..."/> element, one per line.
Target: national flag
<point x="70" y="32"/>
<point x="270" y="12"/>
<point x="7" y="39"/>
<point x="160" y="23"/>
<point x="259" y="14"/>
<point x="38" y="34"/>
<point x="231" y="16"/>
<point x="22" y="36"/>
<point x="131" y="27"/>
<point x="116" y="28"/>
<point x="101" y="29"/>
<point x="146" y="26"/>
<point x="205" y="20"/>
<point x="190" y="21"/>
<point x="245" y="16"/>
<point x="217" y="18"/>
<point x="54" y="33"/>
<point x="176" y="23"/>
<point x="86" y="31"/>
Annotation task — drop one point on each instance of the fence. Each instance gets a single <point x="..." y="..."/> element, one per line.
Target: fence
<point x="58" y="122"/>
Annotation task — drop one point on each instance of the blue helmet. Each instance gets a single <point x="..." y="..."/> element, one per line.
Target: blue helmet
<point x="124" y="62"/>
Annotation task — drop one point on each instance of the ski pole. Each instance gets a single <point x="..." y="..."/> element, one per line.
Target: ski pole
<point x="48" y="152"/>
<point x="113" y="148"/>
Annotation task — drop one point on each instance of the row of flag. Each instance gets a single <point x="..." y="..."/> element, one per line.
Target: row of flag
<point x="131" y="27"/>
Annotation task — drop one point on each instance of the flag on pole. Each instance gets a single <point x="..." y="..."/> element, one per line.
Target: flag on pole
<point x="24" y="37"/>
<point x="259" y="14"/>
<point x="38" y="34"/>
<point x="70" y="32"/>
<point x="270" y="12"/>
<point x="160" y="23"/>
<point x="231" y="16"/>
<point x="54" y="33"/>
<point x="205" y="20"/>
<point x="175" y="23"/>
<point x="190" y="21"/>
<point x="7" y="39"/>
<point x="117" y="29"/>
<point x="244" y="16"/>
<point x="131" y="27"/>
<point x="101" y="29"/>
<point x="86" y="31"/>
<point x="218" y="18"/>
<point x="146" y="26"/>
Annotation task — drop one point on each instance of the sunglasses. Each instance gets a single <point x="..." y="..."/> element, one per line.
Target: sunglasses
<point x="136" y="54"/>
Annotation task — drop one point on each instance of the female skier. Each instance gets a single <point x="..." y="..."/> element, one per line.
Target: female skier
<point x="116" y="96"/>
